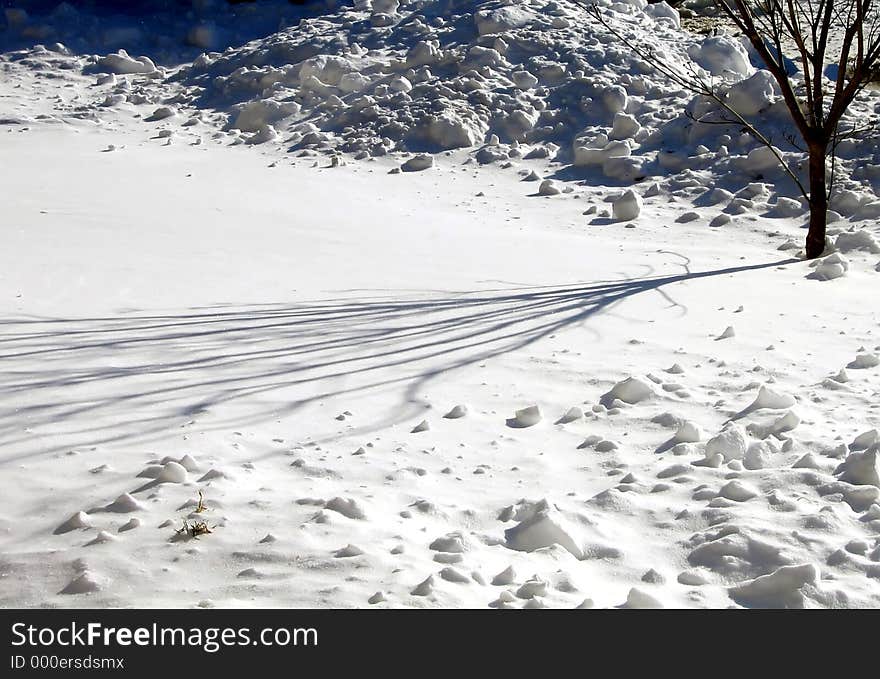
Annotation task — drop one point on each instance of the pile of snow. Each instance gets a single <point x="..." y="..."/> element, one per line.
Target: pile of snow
<point x="423" y="76"/>
<point x="535" y="78"/>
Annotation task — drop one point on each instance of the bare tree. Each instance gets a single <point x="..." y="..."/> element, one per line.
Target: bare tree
<point x="836" y="47"/>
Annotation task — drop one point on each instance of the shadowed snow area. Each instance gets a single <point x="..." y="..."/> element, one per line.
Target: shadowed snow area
<point x="437" y="303"/>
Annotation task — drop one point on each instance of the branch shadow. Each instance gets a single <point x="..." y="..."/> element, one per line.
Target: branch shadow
<point x="134" y="377"/>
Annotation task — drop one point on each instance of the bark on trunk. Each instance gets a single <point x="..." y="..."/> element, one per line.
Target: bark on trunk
<point x="818" y="202"/>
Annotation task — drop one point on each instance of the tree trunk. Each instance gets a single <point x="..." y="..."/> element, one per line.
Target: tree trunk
<point x="818" y="202"/>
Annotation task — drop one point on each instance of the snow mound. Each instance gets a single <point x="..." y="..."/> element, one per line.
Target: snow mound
<point x="172" y="472"/>
<point x="124" y="503"/>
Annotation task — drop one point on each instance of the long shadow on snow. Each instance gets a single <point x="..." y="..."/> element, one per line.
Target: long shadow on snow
<point x="135" y="377"/>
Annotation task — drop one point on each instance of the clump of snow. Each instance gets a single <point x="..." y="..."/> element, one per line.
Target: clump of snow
<point x="348" y="507"/>
<point x="456" y="412"/>
<point x="418" y="163"/>
<point x="637" y="598"/>
<point x="861" y="468"/>
<point x="865" y="440"/>
<point x="172" y="472"/>
<point x="737" y="491"/>
<point x="754" y="94"/>
<point x="830" y="267"/>
<point x="542" y="525"/>
<point x="788" y="207"/>
<point x="526" y="417"/>
<point x="771" y="398"/>
<point x="864" y="360"/>
<point x="503" y="19"/>
<point x="549" y="187"/>
<point x="121" y="63"/>
<point x="420" y="427"/>
<point x="857" y="240"/>
<point x="780" y="589"/>
<point x="77" y="521"/>
<point x="731" y="443"/>
<point x="728" y="333"/>
<point x="627" y="207"/>
<point x="124" y="503"/>
<point x="82" y="584"/>
<point x="688" y="432"/>
<point x="722" y="56"/>
<point x="571" y="415"/>
<point x="632" y="390"/>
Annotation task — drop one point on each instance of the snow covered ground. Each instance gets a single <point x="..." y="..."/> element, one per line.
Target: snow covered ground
<point x="576" y="361"/>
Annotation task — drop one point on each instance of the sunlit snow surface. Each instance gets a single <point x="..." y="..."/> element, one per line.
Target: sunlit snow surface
<point x="568" y="356"/>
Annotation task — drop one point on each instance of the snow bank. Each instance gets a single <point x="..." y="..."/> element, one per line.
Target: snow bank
<point x="424" y="76"/>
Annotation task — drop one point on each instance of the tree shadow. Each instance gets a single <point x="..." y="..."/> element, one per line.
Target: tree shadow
<point x="134" y="377"/>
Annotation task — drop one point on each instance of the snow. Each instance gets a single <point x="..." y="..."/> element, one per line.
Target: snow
<point x="780" y="589"/>
<point x="861" y="468"/>
<point x="731" y="443"/>
<point x="722" y="56"/>
<point x="632" y="390"/>
<point x="506" y="377"/>
<point x="627" y="207"/>
<point x="121" y="62"/>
